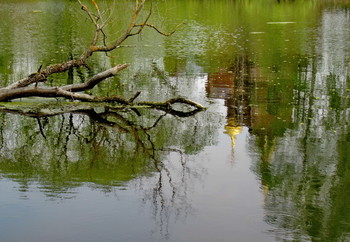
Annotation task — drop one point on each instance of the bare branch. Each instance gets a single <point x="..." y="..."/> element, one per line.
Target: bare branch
<point x="95" y="79"/>
<point x="141" y="26"/>
<point x="134" y="97"/>
<point x="45" y="73"/>
<point x="90" y="14"/>
<point x="159" y="31"/>
<point x="22" y="88"/>
<point x="22" y="92"/>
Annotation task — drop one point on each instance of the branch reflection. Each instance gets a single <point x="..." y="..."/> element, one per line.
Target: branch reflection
<point x="62" y="148"/>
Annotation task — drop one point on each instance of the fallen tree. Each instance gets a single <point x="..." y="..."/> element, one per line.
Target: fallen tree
<point x="30" y="87"/>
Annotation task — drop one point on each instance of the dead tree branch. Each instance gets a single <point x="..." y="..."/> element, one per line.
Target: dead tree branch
<point x="47" y="109"/>
<point x="24" y="88"/>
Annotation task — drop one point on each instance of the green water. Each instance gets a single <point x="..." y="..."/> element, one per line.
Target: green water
<point x="268" y="160"/>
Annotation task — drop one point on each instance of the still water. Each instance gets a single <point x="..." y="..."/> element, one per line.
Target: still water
<point x="269" y="159"/>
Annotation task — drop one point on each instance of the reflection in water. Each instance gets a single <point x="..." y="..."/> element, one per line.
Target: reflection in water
<point x="232" y="129"/>
<point x="106" y="145"/>
<point x="298" y="137"/>
<point x="237" y="86"/>
<point x="234" y="86"/>
<point x="285" y="91"/>
<point x="305" y="164"/>
<point x="102" y="147"/>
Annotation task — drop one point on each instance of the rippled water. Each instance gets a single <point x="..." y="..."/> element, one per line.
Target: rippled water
<point x="267" y="161"/>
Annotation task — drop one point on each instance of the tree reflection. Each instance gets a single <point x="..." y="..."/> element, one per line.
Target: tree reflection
<point x="302" y="167"/>
<point x="105" y="145"/>
<point x="61" y="148"/>
<point x="298" y="122"/>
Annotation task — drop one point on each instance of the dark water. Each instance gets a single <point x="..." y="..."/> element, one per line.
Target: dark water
<point x="268" y="160"/>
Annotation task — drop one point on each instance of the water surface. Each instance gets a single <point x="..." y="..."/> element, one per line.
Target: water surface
<point x="267" y="161"/>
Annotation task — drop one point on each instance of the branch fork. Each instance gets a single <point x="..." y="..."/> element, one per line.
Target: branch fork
<point x="24" y="88"/>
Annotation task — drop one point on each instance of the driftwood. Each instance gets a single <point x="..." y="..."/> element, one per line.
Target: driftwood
<point x="28" y="87"/>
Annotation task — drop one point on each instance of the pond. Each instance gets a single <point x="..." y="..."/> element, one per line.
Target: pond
<point x="268" y="160"/>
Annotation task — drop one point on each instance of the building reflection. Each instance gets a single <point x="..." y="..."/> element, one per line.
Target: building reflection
<point x="299" y="133"/>
<point x="235" y="85"/>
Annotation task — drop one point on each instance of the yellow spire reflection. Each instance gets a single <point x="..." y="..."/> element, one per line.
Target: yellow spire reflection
<point x="232" y="129"/>
<point x="265" y="191"/>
